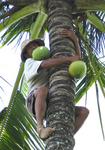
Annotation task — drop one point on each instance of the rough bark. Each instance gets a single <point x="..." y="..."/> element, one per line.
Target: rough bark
<point x="61" y="111"/>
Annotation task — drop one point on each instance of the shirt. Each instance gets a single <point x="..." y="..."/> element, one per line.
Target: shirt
<point x="34" y="77"/>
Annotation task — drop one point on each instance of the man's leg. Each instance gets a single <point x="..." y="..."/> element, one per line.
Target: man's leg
<point x="40" y="110"/>
<point x="81" y="113"/>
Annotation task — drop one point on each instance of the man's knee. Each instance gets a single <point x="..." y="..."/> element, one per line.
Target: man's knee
<point x="82" y="111"/>
<point x="41" y="91"/>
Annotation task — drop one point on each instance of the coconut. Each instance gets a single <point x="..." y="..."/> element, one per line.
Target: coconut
<point x="77" y="69"/>
<point x="40" y="53"/>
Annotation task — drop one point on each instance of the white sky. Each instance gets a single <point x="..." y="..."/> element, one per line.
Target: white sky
<point x="89" y="136"/>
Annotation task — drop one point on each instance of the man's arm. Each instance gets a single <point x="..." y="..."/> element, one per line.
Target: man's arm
<point x="72" y="36"/>
<point x="53" y="62"/>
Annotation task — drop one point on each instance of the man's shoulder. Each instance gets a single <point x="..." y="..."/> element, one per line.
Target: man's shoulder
<point x="29" y="60"/>
<point x="31" y="67"/>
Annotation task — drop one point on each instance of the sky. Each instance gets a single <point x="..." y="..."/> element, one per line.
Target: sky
<point x="89" y="137"/>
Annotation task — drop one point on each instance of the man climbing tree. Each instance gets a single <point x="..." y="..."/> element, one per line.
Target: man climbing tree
<point x="37" y="77"/>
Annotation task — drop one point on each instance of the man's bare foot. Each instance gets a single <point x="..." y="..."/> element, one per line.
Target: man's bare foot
<point x="45" y="132"/>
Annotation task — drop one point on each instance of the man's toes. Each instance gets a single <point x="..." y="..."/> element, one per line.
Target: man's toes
<point x="45" y="132"/>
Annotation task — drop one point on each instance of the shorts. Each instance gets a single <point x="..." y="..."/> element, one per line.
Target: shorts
<point x="30" y="103"/>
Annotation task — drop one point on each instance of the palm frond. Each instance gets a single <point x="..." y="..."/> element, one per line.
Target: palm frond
<point x="2" y="114"/>
<point x="99" y="110"/>
<point x="95" y="70"/>
<point x="83" y="86"/>
<point x="26" y="11"/>
<point x="8" y="13"/>
<point x="1" y="88"/>
<point x="38" y="25"/>
<point x="18" y="128"/>
<point x="22" y="21"/>
<point x="25" y="26"/>
<point x="96" y="20"/>
<point x="97" y="33"/>
<point x="92" y="25"/>
<point x="25" y="130"/>
<point x="5" y="81"/>
<point x="4" y="7"/>
<point x="17" y="30"/>
<point x="23" y="87"/>
<point x="102" y="83"/>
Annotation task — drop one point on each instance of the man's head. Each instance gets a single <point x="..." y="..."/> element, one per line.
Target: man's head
<point x="28" y="47"/>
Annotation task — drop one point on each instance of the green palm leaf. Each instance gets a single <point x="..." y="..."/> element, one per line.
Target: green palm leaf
<point x="26" y="11"/>
<point x="14" y="126"/>
<point x="99" y="109"/>
<point x="92" y="27"/>
<point x="2" y="114"/>
<point x="21" y="22"/>
<point x="95" y="68"/>
<point x="95" y="21"/>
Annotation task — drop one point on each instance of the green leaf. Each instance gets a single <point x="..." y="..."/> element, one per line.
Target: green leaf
<point x="95" y="21"/>
<point x="26" y="11"/>
<point x="99" y="110"/>
<point x="17" y="126"/>
<point x="37" y="26"/>
<point x="2" y="114"/>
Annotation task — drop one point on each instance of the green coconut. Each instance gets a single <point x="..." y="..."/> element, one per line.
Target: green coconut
<point x="77" y="69"/>
<point x="40" y="53"/>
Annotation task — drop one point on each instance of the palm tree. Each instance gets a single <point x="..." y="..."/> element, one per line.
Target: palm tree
<point x="51" y="15"/>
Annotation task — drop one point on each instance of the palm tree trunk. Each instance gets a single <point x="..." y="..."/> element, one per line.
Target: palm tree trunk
<point x="61" y="111"/>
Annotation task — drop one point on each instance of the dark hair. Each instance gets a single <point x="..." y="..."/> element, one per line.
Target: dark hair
<point x="39" y="42"/>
